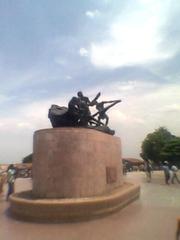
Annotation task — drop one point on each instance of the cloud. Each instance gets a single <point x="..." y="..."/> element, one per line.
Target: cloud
<point x="17" y="130"/>
<point x="170" y="108"/>
<point x="83" y="52"/>
<point x="14" y="79"/>
<point x="92" y="14"/>
<point x="60" y="61"/>
<point x="5" y="98"/>
<point x="68" y="77"/>
<point x="145" y="107"/>
<point x="135" y="37"/>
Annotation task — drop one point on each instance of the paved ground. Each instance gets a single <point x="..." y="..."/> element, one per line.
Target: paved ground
<point x="152" y="217"/>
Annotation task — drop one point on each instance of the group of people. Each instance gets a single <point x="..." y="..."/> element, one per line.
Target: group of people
<point x="170" y="173"/>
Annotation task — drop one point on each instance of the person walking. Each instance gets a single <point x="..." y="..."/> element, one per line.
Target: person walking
<point x="11" y="175"/>
<point x="166" y="172"/>
<point x="148" y="169"/>
<point x="1" y="183"/>
<point x="2" y="180"/>
<point x="174" y="170"/>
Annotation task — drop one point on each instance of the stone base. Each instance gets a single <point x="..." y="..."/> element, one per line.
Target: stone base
<point x="24" y="206"/>
<point x="75" y="163"/>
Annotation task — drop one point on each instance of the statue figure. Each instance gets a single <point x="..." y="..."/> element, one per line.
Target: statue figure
<point x="102" y="110"/>
<point x="84" y="111"/>
<point x="78" y="113"/>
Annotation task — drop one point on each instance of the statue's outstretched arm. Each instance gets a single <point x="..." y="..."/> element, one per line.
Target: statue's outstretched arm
<point x="93" y="102"/>
<point x="106" y="108"/>
<point x="112" y="101"/>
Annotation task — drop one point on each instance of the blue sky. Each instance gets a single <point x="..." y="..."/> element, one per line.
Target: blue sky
<point x="49" y="50"/>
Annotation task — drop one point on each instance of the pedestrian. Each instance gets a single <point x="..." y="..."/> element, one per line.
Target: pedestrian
<point x="11" y="175"/>
<point x="148" y="169"/>
<point x="124" y="169"/>
<point x="174" y="170"/>
<point x="2" y="180"/>
<point x="166" y="172"/>
<point x="1" y="184"/>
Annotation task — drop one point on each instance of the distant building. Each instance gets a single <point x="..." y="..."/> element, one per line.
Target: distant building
<point x="133" y="164"/>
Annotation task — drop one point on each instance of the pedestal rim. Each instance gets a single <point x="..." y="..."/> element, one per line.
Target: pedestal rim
<point x="69" y="210"/>
<point x="69" y="129"/>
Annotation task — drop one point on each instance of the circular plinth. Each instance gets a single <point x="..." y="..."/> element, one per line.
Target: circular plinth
<point x="75" y="163"/>
<point x="25" y="207"/>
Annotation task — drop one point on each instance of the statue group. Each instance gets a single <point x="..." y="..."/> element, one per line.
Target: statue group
<point x="78" y="113"/>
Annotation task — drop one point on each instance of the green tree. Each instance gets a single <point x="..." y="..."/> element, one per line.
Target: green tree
<point x="171" y="151"/>
<point x="154" y="143"/>
<point x="27" y="159"/>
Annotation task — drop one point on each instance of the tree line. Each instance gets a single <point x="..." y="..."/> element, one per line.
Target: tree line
<point x="160" y="146"/>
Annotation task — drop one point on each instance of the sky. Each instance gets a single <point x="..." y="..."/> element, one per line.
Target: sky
<point x="49" y="50"/>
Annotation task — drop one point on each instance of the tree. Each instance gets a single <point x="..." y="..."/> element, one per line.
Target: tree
<point x="171" y="151"/>
<point x="27" y="159"/>
<point x="154" y="143"/>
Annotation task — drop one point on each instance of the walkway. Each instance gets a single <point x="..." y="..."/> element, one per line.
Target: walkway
<point x="152" y="217"/>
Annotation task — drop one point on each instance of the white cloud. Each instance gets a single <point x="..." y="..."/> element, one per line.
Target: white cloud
<point x="171" y="108"/>
<point x="24" y="125"/>
<point x="142" y="110"/>
<point x="135" y="37"/>
<point x="68" y="77"/>
<point x="16" y="139"/>
<point x="92" y="14"/>
<point x="14" y="79"/>
<point x="60" y="61"/>
<point x="5" y="98"/>
<point x="83" y="52"/>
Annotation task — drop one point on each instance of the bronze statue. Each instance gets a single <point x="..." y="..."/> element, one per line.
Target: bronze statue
<point x="78" y="113"/>
<point x="102" y="110"/>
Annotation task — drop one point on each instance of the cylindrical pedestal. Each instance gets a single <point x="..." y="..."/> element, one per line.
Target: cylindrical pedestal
<point x="75" y="162"/>
<point x="77" y="175"/>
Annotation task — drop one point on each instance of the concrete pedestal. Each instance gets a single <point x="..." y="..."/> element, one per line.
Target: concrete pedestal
<point x="75" y="162"/>
<point x="25" y="207"/>
<point x="77" y="175"/>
